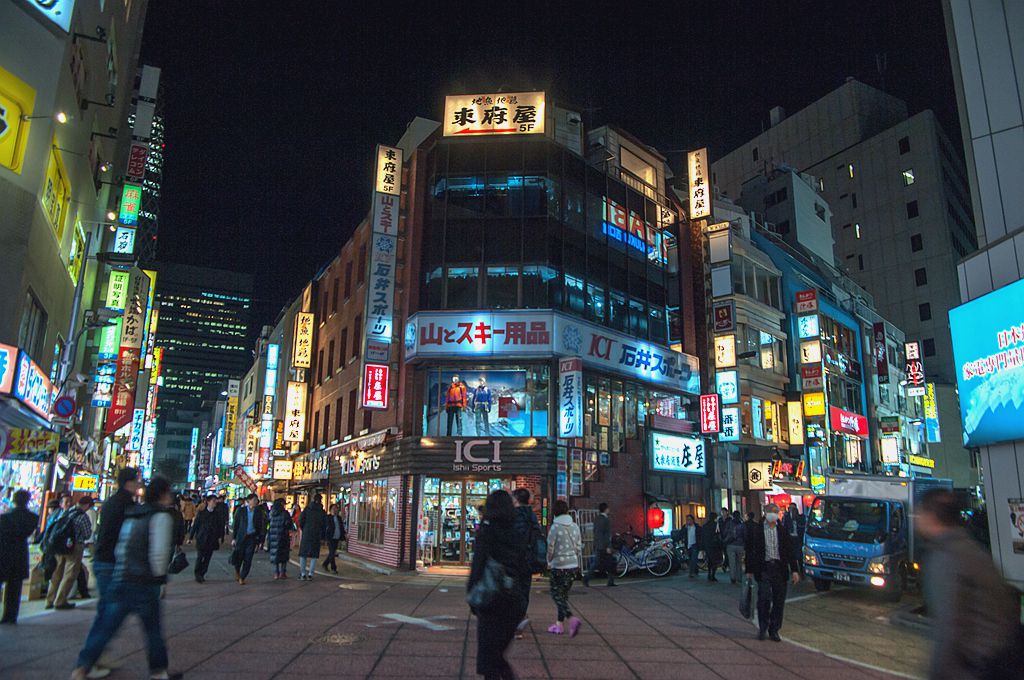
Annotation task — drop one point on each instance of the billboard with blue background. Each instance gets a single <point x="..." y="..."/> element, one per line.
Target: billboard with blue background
<point x="988" y="349"/>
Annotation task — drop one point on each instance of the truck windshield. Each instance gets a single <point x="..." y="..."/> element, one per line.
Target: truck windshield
<point x="847" y="519"/>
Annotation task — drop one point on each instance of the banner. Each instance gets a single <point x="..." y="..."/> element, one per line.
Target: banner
<point x="931" y="415"/>
<point x="570" y="398"/>
<point x="881" y="353"/>
<point x="126" y="372"/>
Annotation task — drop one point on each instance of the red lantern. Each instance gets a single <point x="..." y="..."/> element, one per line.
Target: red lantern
<point x="655" y="518"/>
<point x="808" y="499"/>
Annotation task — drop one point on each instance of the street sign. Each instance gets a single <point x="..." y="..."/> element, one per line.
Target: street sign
<point x="64" y="407"/>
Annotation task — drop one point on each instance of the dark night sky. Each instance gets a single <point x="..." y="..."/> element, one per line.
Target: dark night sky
<point x="272" y="113"/>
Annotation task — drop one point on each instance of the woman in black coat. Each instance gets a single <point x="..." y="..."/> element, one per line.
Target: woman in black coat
<point x="15" y="528"/>
<point x="711" y="542"/>
<point x="279" y="538"/>
<point x="312" y="522"/>
<point x="496" y="623"/>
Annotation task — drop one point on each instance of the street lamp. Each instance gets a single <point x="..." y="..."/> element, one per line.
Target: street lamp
<point x="60" y="117"/>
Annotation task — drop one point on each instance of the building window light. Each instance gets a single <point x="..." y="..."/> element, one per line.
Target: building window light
<point x="908" y="177"/>
<point x="857" y="227"/>
<point x="849" y="169"/>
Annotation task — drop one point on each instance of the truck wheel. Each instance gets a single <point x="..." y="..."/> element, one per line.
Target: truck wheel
<point x="822" y="585"/>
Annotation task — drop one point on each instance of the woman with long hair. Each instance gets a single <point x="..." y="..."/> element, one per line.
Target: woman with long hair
<point x="497" y="620"/>
<point x="565" y="546"/>
<point x="279" y="541"/>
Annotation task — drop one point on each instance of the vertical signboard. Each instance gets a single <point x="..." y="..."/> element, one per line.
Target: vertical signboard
<point x="570" y="398"/>
<point x="295" y="412"/>
<point x="136" y="168"/>
<point x="710" y="407"/>
<point x="794" y="411"/>
<point x="302" y="341"/>
<point x="131" y="197"/>
<point x="389" y="170"/>
<point x="730" y="425"/>
<point x="914" y="369"/>
<point x="375" y="386"/>
<point x="700" y="191"/>
<point x="231" y="413"/>
<point x="267" y="414"/>
<point x="931" y="415"/>
<point x="126" y="372"/>
<point x="881" y="353"/>
<point x="380" y="293"/>
<point x="110" y="340"/>
<point x="806" y="302"/>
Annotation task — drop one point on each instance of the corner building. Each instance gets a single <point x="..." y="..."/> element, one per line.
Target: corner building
<point x="538" y="338"/>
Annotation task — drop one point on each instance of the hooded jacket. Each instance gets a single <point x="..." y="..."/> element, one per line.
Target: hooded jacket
<point x="565" y="545"/>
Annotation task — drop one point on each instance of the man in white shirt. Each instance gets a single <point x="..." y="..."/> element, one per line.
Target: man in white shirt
<point x="771" y="553"/>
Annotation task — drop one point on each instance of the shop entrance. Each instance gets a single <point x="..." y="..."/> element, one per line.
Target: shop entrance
<point x="449" y="517"/>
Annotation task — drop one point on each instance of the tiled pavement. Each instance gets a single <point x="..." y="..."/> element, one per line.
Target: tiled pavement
<point x="337" y="628"/>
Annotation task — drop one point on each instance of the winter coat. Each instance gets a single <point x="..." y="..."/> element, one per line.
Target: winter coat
<point x="312" y="522"/>
<point x="111" y="519"/>
<point x="207" y="530"/>
<point x="482" y="399"/>
<point x="15" y="528"/>
<point x="279" y="536"/>
<point x="144" y="546"/>
<point x="565" y="544"/>
<point x="188" y="509"/>
<point x="711" y="542"/>
<point x="259" y="522"/>
<point x="455" y="395"/>
<point x="602" y="533"/>
<point x="499" y="541"/>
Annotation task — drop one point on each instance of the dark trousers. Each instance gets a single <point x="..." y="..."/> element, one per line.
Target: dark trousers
<point x="693" y="555"/>
<point x="603" y="561"/>
<point x="245" y="553"/>
<point x="203" y="556"/>
<point x="124" y="599"/>
<point x="771" y="596"/>
<point x="332" y="551"/>
<point x="495" y="628"/>
<point x="104" y="575"/>
<point x="83" y="580"/>
<point x="454" y="413"/>
<point x="12" y="599"/>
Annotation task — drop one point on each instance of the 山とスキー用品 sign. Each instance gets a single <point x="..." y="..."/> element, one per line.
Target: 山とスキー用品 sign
<point x="504" y="113"/>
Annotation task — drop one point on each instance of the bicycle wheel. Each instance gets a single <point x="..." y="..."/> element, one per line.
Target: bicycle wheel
<point x="621" y="565"/>
<point x="658" y="562"/>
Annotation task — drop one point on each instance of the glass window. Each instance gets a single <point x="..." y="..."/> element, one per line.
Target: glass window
<point x="433" y="290"/>
<point x="724" y="280"/>
<point x="904" y="145"/>
<point x="617" y="310"/>
<point x="916" y="243"/>
<point x="908" y="177"/>
<point x="596" y="306"/>
<point x="638" y="319"/>
<point x="502" y="287"/>
<point x="912" y="210"/>
<point x="657" y="326"/>
<point x="485" y="402"/>
<point x="462" y="287"/>
<point x="502" y="240"/>
<point x="574" y="294"/>
<point x="921" y="276"/>
<point x="539" y="286"/>
<point x="371" y="509"/>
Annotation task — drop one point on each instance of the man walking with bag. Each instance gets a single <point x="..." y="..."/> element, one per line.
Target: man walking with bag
<point x="603" y="558"/>
<point x="771" y="561"/>
<point x="67" y="539"/>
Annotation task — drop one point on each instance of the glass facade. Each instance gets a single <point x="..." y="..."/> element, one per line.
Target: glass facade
<point x="486" y="401"/>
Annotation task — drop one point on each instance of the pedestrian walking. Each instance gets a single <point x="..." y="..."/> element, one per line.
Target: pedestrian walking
<point x="735" y="539"/>
<point x="250" y="525"/>
<point x="772" y="560"/>
<point x="16" y="526"/>
<point x="565" y="550"/>
<point x="54" y="509"/>
<point x="496" y="545"/>
<point x="975" y="615"/>
<point x="66" y="540"/>
<point x="143" y="553"/>
<point x="723" y="524"/>
<point x="335" y="533"/>
<point x="279" y="538"/>
<point x="528" y="531"/>
<point x="188" y="512"/>
<point x="312" y="521"/>
<point x="711" y="543"/>
<point x="603" y="558"/>
<point x="222" y="515"/>
<point x="82" y="580"/>
<point x="206" y="532"/>
<point x="691" y="534"/>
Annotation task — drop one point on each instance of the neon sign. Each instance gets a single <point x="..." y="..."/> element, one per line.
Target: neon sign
<point x="631" y="229"/>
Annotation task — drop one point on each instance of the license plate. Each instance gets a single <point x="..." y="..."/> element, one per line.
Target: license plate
<point x="841" y="577"/>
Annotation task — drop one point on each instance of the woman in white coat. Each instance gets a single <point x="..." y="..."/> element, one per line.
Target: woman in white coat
<point x="565" y="546"/>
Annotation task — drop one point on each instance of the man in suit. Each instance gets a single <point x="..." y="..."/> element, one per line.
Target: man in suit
<point x="772" y="561"/>
<point x="207" y="531"/>
<point x="15" y="528"/>
<point x="249" y="531"/>
<point x="603" y="558"/>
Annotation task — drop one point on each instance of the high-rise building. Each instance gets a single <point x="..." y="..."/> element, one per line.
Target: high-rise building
<point x="986" y="38"/>
<point x="149" y="208"/>
<point x="203" y="327"/>
<point x="900" y="219"/>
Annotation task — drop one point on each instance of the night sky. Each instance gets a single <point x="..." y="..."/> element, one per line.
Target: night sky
<point x="272" y="113"/>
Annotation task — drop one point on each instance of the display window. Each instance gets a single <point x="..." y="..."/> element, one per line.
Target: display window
<point x="22" y="474"/>
<point x="371" y="511"/>
<point x="450" y="515"/>
<point x="486" y="402"/>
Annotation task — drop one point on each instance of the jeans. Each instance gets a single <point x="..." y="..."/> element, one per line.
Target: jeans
<point x="307" y="565"/>
<point x="482" y="421"/>
<point x="332" y="550"/>
<point x="454" y="413"/>
<point x="735" y="553"/>
<point x="104" y="572"/>
<point x="124" y="599"/>
<point x="693" y="554"/>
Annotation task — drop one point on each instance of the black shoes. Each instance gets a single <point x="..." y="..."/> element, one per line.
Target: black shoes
<point x="774" y="637"/>
<point x="761" y="634"/>
<point x="66" y="605"/>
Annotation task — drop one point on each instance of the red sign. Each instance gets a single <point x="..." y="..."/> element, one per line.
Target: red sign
<point x="243" y="476"/>
<point x="137" y="161"/>
<point x="810" y="371"/>
<point x="126" y="375"/>
<point x="263" y="465"/>
<point x="375" y="386"/>
<point x="851" y="423"/>
<point x="881" y="353"/>
<point x="710" y="408"/>
<point x="806" y="301"/>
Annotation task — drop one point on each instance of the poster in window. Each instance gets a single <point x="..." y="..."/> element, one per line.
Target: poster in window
<point x="604" y="408"/>
<point x="392" y="507"/>
<point x="1017" y="524"/>
<point x="602" y="440"/>
<point x="605" y="459"/>
<point x="494" y="404"/>
<point x="590" y="466"/>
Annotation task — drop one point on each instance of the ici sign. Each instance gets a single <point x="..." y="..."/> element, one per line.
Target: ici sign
<point x="477" y="455"/>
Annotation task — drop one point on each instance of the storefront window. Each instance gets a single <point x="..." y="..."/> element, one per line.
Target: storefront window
<point x="596" y="306"/>
<point x="488" y="402"/>
<point x="371" y="511"/>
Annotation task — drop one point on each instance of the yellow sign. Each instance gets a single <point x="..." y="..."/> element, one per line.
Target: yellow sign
<point x="700" y="190"/>
<point x="24" y="443"/>
<point x="283" y="469"/>
<point x="814" y="404"/>
<point x="295" y="412"/>
<point x="796" y="423"/>
<point x="231" y="413"/>
<point x="17" y="99"/>
<point x="502" y="113"/>
<point x="725" y="351"/>
<point x="931" y="410"/>
<point x="85" y="483"/>
<point x="302" y="343"/>
<point x="389" y="170"/>
<point x="76" y="256"/>
<point x="56" y="195"/>
<point x="922" y="461"/>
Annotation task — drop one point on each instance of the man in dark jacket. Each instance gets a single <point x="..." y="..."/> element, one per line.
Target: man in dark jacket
<point x="15" y="528"/>
<point x="771" y="558"/>
<point x="975" y="615"/>
<point x="527" y="530"/>
<point x="711" y="543"/>
<point x="603" y="558"/>
<point x="249" y="531"/>
<point x="108" y="529"/>
<point x="335" y="534"/>
<point x="313" y="522"/>
<point x="207" y="531"/>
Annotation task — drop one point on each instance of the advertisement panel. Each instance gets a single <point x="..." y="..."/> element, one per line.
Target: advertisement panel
<point x="138" y="424"/>
<point x="25" y="444"/>
<point x="759" y="475"/>
<point x="231" y="412"/>
<point x="375" y="386"/>
<point x="677" y="453"/>
<point x="283" y="469"/>
<point x="82" y="483"/>
<point x="126" y="372"/>
<point x="506" y="113"/>
<point x="380" y="296"/>
<point x="814" y="404"/>
<point x="914" y="369"/>
<point x="710" y="407"/>
<point x="302" y="341"/>
<point x="295" y="412"/>
<point x="8" y="367"/>
<point x="32" y="387"/>
<point x="806" y="302"/>
<point x="728" y="385"/>
<point x="931" y="415"/>
<point x="880" y="352"/>
<point x="808" y="327"/>
<point x="725" y="351"/>
<point x="699" y="188"/>
<point x="988" y="352"/>
<point x="570" y="398"/>
<point x="136" y="168"/>
<point x="796" y="423"/>
<point x="725" y="316"/>
<point x="389" y="170"/>
<point x="17" y="101"/>
<point x="124" y="240"/>
<point x="730" y="425"/>
<point x="131" y="198"/>
<point x="851" y="423"/>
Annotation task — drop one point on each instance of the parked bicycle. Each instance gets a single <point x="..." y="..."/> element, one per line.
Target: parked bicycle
<point x="634" y="554"/>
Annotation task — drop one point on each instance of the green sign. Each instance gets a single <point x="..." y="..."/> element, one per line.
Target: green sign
<point x="131" y="197"/>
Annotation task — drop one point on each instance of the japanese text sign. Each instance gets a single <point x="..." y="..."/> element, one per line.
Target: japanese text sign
<point x="914" y="369"/>
<point x="25" y="444"/>
<point x="85" y="483"/>
<point x="302" y="342"/>
<point x="730" y="425"/>
<point x="806" y="301"/>
<point x="710" y="405"/>
<point x="796" y="423"/>
<point x="124" y="240"/>
<point x="131" y="197"/>
<point x="295" y="412"/>
<point x="389" y="170"/>
<point x="8" y="367"/>
<point x="677" y="453"/>
<point x="851" y="423"/>
<point x="380" y="292"/>
<point x="283" y="469"/>
<point x="931" y="415"/>
<point x="375" y="386"/>
<point x="506" y="113"/>
<point x="700" y="190"/>
<point x="32" y="386"/>
<point x="880" y="351"/>
<point x="570" y="398"/>
<point x="136" y="168"/>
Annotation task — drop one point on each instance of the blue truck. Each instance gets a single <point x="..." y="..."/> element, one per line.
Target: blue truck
<point x="860" y="533"/>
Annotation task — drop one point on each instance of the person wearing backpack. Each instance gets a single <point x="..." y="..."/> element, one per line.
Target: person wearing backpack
<point x="527" y="530"/>
<point x="66" y="540"/>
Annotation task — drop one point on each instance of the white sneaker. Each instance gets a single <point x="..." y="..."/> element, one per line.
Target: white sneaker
<point x="97" y="671"/>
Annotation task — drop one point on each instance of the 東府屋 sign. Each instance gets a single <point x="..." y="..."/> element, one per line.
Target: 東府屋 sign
<point x="503" y="113"/>
<point x="699" y="188"/>
<point x="295" y="412"/>
<point x="389" y="170"/>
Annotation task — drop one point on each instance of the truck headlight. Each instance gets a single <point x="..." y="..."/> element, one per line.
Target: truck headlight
<point x="879" y="565"/>
<point x="810" y="557"/>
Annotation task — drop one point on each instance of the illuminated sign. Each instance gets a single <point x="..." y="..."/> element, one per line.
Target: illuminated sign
<point x="631" y="229"/>
<point x="32" y="386"/>
<point x="890" y="450"/>
<point x="812" y="377"/>
<point x="810" y="352"/>
<point x="509" y="113"/>
<point x="138" y="425"/>
<point x="725" y="351"/>
<point x="700" y="190"/>
<point x="56" y="195"/>
<point x="725" y="316"/>
<point x="921" y="461"/>
<point x="710" y="406"/>
<point x="24" y="444"/>
<point x="814" y="404"/>
<point x="851" y="423"/>
<point x="880" y="351"/>
<point x="806" y="301"/>
<point x="730" y="425"/>
<point x="479" y="334"/>
<point x="131" y="196"/>
<point x="759" y="475"/>
<point x="8" y="367"/>
<point x="267" y="416"/>
<point x="295" y="412"/>
<point x="931" y="415"/>
<point x="302" y="342"/>
<point x="283" y="469"/>
<point x="126" y="371"/>
<point x="796" y="423"/>
<point x="17" y="100"/>
<point x="914" y="369"/>
<point x="124" y="240"/>
<point x="570" y="398"/>
<point x="375" y="386"/>
<point x="117" y="289"/>
<point x="57" y="12"/>
<point x="677" y="453"/>
<point x="270" y="377"/>
<point x="389" y="170"/>
<point x="380" y="296"/>
<point x="231" y="412"/>
<point x="85" y="483"/>
<point x="728" y="385"/>
<point x="136" y="168"/>
<point x="807" y="326"/>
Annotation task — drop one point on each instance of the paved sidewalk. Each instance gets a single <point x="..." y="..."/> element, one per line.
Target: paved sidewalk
<point x="403" y="626"/>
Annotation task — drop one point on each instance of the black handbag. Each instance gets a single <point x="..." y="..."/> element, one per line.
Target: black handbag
<point x="747" y="599"/>
<point x="178" y="563"/>
<point x="493" y="582"/>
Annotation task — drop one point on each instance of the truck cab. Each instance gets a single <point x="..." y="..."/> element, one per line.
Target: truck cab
<point x="860" y="542"/>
